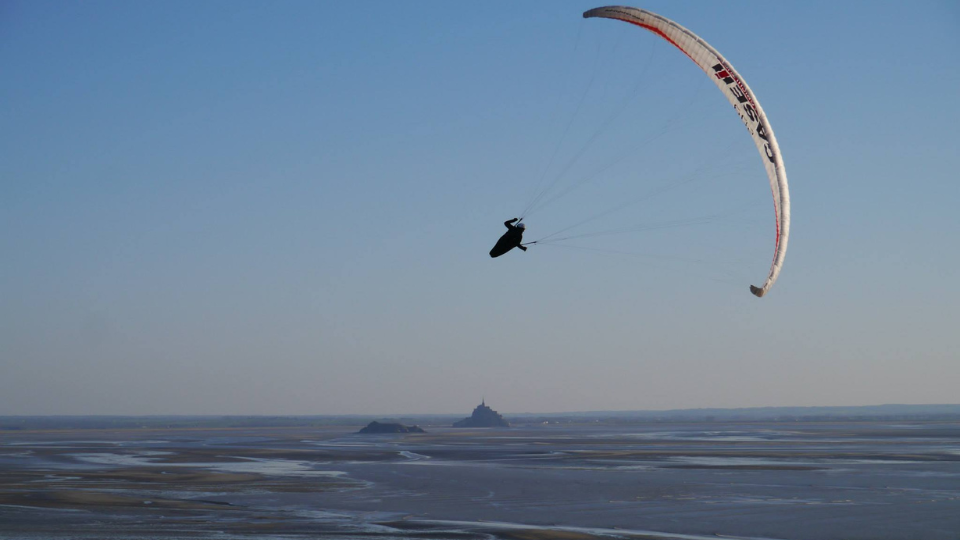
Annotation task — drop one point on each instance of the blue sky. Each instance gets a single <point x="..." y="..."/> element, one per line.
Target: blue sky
<point x="286" y="208"/>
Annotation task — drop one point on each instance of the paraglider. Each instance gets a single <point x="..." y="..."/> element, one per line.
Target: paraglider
<point x="513" y="238"/>
<point x="739" y="96"/>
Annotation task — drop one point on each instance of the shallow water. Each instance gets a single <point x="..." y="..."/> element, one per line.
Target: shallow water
<point x="793" y="480"/>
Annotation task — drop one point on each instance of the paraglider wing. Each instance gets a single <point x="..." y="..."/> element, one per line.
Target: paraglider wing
<point x="744" y="102"/>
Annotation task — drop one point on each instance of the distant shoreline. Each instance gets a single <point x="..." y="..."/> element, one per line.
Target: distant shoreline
<point x="867" y="413"/>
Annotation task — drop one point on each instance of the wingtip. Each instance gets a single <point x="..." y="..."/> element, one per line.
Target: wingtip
<point x="590" y="12"/>
<point x="757" y="291"/>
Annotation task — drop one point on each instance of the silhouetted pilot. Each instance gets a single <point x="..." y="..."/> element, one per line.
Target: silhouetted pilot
<point x="510" y="239"/>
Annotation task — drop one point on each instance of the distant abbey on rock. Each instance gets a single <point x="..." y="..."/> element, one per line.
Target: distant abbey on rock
<point x="483" y="416"/>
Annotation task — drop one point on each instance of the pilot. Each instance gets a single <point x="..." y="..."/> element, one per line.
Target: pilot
<point x="510" y="239"/>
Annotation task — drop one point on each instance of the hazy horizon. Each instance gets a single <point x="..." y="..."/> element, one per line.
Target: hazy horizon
<point x="838" y="410"/>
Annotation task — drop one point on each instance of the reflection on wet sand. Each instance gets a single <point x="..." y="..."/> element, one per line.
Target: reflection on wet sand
<point x="684" y="481"/>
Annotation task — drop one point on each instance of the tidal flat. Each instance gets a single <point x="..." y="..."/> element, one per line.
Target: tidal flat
<point x="758" y="480"/>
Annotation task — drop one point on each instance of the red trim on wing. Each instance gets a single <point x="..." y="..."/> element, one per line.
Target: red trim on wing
<point x="776" y="213"/>
<point x="658" y="32"/>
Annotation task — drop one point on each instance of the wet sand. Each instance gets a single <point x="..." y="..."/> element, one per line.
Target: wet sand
<point x="852" y="480"/>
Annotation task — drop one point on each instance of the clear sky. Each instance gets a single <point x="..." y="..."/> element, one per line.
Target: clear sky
<point x="286" y="208"/>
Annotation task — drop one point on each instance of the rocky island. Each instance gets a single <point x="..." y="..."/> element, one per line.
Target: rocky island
<point x="483" y="416"/>
<point x="377" y="427"/>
